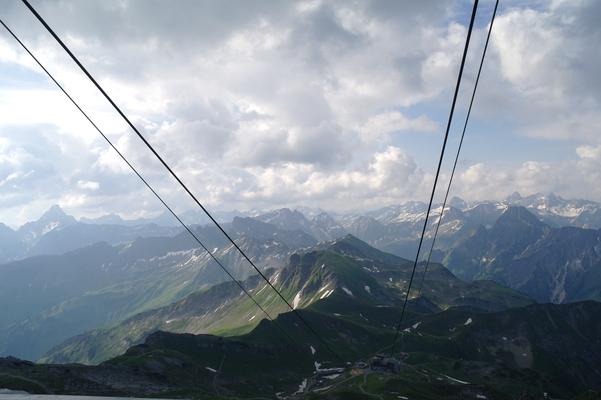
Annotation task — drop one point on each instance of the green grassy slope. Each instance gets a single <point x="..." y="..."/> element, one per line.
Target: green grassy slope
<point x="344" y="269"/>
<point x="458" y="352"/>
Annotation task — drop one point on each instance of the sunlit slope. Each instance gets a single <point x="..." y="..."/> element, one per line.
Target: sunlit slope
<point x="325" y="278"/>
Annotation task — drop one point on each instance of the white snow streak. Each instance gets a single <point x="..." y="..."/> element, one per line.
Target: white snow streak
<point x="297" y="299"/>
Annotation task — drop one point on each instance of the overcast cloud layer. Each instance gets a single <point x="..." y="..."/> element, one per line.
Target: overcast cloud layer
<point x="262" y="104"/>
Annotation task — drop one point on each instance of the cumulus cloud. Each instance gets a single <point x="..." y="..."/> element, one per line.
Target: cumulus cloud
<point x="393" y="121"/>
<point x="574" y="178"/>
<point x="270" y="103"/>
<point x="548" y="60"/>
<point x="390" y="175"/>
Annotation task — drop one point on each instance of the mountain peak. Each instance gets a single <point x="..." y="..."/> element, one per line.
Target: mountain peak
<point x="53" y="218"/>
<point x="55" y="211"/>
<point x="56" y="217"/>
<point x="282" y="213"/>
<point x="324" y="217"/>
<point x="285" y="218"/>
<point x="518" y="215"/>
<point x="458" y="203"/>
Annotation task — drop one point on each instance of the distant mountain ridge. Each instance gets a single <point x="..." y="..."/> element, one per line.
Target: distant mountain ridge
<point x="56" y="232"/>
<point x="520" y="251"/>
<point x="53" y="297"/>
<point x="393" y="228"/>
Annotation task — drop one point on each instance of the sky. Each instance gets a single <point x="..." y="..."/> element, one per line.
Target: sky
<point x="264" y="104"/>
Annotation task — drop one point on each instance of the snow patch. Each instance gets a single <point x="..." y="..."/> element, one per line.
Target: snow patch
<point x="312" y="350"/>
<point x="414" y="326"/>
<point x="211" y="369"/>
<point x="367" y="289"/>
<point x="301" y="387"/>
<point x="468" y="322"/>
<point x="347" y="291"/>
<point x="297" y="299"/>
<point x="456" y="380"/>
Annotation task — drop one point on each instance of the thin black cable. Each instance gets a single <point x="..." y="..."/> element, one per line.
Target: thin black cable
<point x="145" y="181"/>
<point x="446" y="196"/>
<point x="444" y="144"/>
<point x="174" y="175"/>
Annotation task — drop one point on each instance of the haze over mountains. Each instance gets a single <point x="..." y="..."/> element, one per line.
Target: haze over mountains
<point x="393" y="228"/>
<point x="88" y="291"/>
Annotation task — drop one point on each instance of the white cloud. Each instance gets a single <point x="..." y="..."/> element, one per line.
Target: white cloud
<point x="88" y="185"/>
<point x="393" y="121"/>
<point x="261" y="104"/>
<point x="589" y="152"/>
<point x="577" y="178"/>
<point x="386" y="177"/>
<point x="549" y="60"/>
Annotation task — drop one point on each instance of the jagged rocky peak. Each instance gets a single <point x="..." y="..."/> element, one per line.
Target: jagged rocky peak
<point x="283" y="217"/>
<point x="324" y="218"/>
<point x="55" y="212"/>
<point x="327" y="222"/>
<point x="53" y="218"/>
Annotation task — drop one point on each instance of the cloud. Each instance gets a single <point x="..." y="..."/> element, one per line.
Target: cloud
<point x="547" y="60"/>
<point x="270" y="103"/>
<point x="393" y="121"/>
<point x="573" y="178"/>
<point x="88" y="185"/>
<point x="386" y="177"/>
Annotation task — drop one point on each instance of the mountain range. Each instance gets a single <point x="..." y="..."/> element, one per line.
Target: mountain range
<point x="55" y="232"/>
<point x="119" y="292"/>
<point x="518" y="250"/>
<point x="448" y="352"/>
<point x="344" y="269"/>
<point x="60" y="296"/>
<point x="394" y="228"/>
<point x="54" y="297"/>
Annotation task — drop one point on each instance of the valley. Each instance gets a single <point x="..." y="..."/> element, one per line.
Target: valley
<point x="158" y="312"/>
